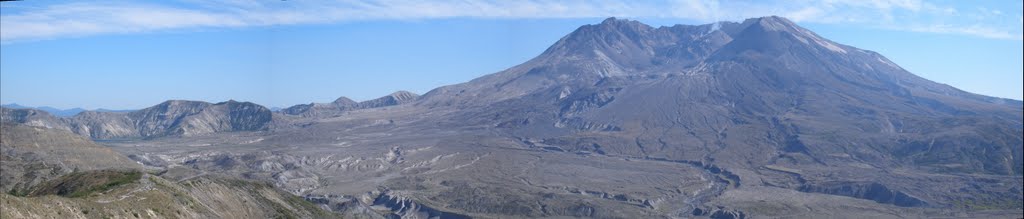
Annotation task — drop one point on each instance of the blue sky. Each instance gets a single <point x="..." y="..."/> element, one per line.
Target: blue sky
<point x="129" y="55"/>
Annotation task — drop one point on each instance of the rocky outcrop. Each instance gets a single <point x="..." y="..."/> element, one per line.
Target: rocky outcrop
<point x="719" y="212"/>
<point x="347" y="207"/>
<point x="574" y="103"/>
<point x="583" y="125"/>
<point x="406" y="208"/>
<point x="865" y="190"/>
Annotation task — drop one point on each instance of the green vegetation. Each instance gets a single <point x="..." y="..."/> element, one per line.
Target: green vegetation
<point x="16" y="192"/>
<point x="81" y="184"/>
<point x="984" y="204"/>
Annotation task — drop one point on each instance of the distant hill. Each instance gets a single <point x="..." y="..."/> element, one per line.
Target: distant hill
<point x="60" y="112"/>
<point x="343" y="104"/>
<point x="34" y="154"/>
<point x="170" y="118"/>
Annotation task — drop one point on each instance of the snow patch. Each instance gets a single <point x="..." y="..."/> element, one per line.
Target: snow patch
<point x="772" y="26"/>
<point x="253" y="141"/>
<point x="802" y="39"/>
<point x="887" y="62"/>
<point x="830" y="46"/>
<point x="608" y="69"/>
<point x="565" y="93"/>
<point x="824" y="43"/>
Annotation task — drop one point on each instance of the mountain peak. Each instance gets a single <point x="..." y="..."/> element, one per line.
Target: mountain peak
<point x="774" y="19"/>
<point x="778" y="35"/>
<point x="239" y="103"/>
<point x="614" y="21"/>
<point x="621" y="24"/>
<point x="601" y="40"/>
<point x="180" y="102"/>
<point x="344" y="101"/>
<point x="772" y="23"/>
<point x="610" y="20"/>
<point x="403" y="94"/>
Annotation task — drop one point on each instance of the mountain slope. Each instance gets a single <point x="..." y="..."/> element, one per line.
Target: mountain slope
<point x="32" y="155"/>
<point x="156" y="197"/>
<point x="763" y="77"/>
<point x="55" y="173"/>
<point x="766" y="99"/>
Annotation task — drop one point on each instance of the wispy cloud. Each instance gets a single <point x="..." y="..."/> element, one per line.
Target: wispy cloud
<point x="92" y="18"/>
<point x="89" y="19"/>
<point x="981" y="31"/>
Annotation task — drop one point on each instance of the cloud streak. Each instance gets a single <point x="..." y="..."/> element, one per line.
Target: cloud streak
<point x="85" y="19"/>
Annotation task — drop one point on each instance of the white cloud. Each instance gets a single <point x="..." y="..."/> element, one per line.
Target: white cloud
<point x="807" y="13"/>
<point x="83" y="19"/>
<point x="89" y="19"/>
<point x="981" y="31"/>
